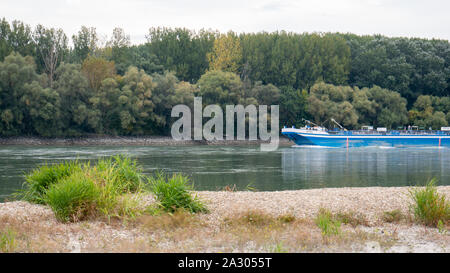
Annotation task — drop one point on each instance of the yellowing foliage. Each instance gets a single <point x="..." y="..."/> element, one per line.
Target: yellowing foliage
<point x="96" y="70"/>
<point x="226" y="54"/>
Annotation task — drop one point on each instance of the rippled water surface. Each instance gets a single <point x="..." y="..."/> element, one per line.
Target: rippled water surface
<point x="288" y="168"/>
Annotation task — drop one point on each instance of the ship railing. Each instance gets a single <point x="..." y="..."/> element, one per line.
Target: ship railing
<point x="390" y="132"/>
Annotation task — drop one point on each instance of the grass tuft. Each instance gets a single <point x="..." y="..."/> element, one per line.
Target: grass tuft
<point x="429" y="207"/>
<point x="74" y="198"/>
<point x="327" y="223"/>
<point x="174" y="192"/>
<point x="77" y="190"/>
<point x="7" y="241"/>
<point x="42" y="177"/>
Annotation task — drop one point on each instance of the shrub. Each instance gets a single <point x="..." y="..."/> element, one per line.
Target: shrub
<point x="429" y="206"/>
<point x="174" y="193"/>
<point x="327" y="223"/>
<point x="74" y="198"/>
<point x="39" y="179"/>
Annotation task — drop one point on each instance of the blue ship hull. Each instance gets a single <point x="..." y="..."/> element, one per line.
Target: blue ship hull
<point x="343" y="141"/>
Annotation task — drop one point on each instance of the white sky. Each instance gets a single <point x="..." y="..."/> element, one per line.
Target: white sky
<point x="410" y="18"/>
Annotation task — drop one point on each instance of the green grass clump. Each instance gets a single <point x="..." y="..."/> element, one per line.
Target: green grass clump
<point x="111" y="187"/>
<point x="174" y="193"/>
<point x="429" y="206"/>
<point x="40" y="179"/>
<point x="327" y="223"/>
<point x="125" y="174"/>
<point x="74" y="198"/>
<point x="77" y="190"/>
<point x="7" y="241"/>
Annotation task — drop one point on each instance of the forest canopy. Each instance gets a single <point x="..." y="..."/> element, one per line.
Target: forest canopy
<point x="53" y="85"/>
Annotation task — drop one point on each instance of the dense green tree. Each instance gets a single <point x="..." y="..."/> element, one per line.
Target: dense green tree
<point x="297" y="60"/>
<point x="104" y="101"/>
<point x="73" y="88"/>
<point x="15" y="37"/>
<point x="167" y="93"/>
<point x="380" y="63"/>
<point x="142" y="58"/>
<point x="135" y="103"/>
<point x="42" y="110"/>
<point x="51" y="49"/>
<point x="182" y="51"/>
<point x="409" y="66"/>
<point x="120" y="53"/>
<point x="218" y="87"/>
<point x="429" y="111"/>
<point x="357" y="80"/>
<point x="353" y="107"/>
<point x="16" y="72"/>
<point x="327" y="102"/>
<point x="266" y="94"/>
<point x="96" y="69"/>
<point x="293" y="106"/>
<point x="85" y="43"/>
<point x="26" y="107"/>
<point x="5" y="34"/>
<point x="390" y="108"/>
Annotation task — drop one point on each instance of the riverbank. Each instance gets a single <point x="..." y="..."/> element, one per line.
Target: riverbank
<point x="128" y="141"/>
<point x="240" y="221"/>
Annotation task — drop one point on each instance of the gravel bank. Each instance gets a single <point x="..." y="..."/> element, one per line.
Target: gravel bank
<point x="370" y="201"/>
<point x="38" y="224"/>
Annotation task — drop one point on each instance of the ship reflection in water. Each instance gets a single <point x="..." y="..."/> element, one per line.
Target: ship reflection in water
<point x="315" y="167"/>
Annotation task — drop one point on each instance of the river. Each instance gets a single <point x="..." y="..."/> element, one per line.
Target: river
<point x="214" y="167"/>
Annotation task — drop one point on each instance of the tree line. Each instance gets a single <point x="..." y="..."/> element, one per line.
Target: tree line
<point x="50" y="87"/>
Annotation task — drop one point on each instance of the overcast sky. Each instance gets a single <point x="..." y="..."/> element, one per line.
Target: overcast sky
<point x="410" y="18"/>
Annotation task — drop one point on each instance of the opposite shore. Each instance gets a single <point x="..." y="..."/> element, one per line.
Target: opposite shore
<point x="128" y="141"/>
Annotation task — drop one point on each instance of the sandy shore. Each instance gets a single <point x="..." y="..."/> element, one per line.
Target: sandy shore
<point x="126" y="141"/>
<point x="222" y="230"/>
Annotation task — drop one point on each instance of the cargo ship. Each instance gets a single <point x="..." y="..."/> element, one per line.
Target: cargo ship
<point x="411" y="136"/>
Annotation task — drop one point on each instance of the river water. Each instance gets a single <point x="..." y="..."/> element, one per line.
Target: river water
<point x="214" y="167"/>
